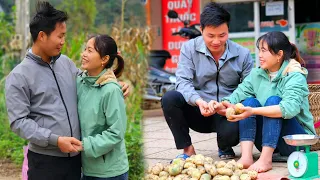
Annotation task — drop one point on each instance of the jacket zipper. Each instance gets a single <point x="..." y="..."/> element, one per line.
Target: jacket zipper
<point x="218" y="71"/>
<point x="64" y="104"/>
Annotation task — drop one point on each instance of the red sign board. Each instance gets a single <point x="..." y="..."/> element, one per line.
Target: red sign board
<point x="187" y="10"/>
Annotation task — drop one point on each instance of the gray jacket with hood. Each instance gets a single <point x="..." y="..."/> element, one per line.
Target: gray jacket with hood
<point x="41" y="101"/>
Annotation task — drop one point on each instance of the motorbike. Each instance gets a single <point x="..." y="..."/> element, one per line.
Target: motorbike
<point x="159" y="80"/>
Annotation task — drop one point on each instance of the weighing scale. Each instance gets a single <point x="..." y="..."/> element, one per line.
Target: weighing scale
<point x="302" y="164"/>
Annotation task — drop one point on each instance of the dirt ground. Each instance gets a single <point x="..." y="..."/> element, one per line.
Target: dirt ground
<point x="9" y="171"/>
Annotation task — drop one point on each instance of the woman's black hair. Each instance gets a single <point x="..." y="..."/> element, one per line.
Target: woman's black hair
<point x="105" y="45"/>
<point x="277" y="41"/>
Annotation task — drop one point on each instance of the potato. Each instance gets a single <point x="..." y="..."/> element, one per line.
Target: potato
<point x="187" y="178"/>
<point x="163" y="178"/>
<point x="175" y="169"/>
<point x="156" y="170"/>
<point x="208" y="160"/>
<point x="245" y="171"/>
<point x="178" y="161"/>
<point x="213" y="171"/>
<point x="163" y="174"/>
<point x="180" y="177"/>
<point x="166" y="167"/>
<point x="207" y="167"/>
<point x="189" y="164"/>
<point x="239" y="166"/>
<point x="253" y="174"/>
<point x="149" y="171"/>
<point x="235" y="177"/>
<point x="189" y="159"/>
<point x="233" y="162"/>
<point x="230" y="111"/>
<point x="205" y="177"/>
<point x="237" y="172"/>
<point x="190" y="170"/>
<point x="230" y="166"/>
<point x="196" y="174"/>
<point x="192" y="158"/>
<point x="201" y="169"/>
<point x="224" y="178"/>
<point x="220" y="164"/>
<point x="151" y="177"/>
<point x="225" y="171"/>
<point x="184" y="171"/>
<point x="177" y="178"/>
<point x="216" y="177"/>
<point x="245" y="177"/>
<point x="199" y="159"/>
<point x="238" y="109"/>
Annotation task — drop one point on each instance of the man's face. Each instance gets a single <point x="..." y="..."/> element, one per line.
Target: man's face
<point x="215" y="37"/>
<point x="52" y="44"/>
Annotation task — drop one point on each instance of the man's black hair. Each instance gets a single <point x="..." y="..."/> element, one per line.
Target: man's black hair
<point x="214" y="15"/>
<point x="46" y="19"/>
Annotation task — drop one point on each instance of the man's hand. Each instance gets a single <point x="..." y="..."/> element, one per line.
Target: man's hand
<point x="66" y="144"/>
<point x="204" y="108"/>
<point x="125" y="88"/>
<point x="212" y="105"/>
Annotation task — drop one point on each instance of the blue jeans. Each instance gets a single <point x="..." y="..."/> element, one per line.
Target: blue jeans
<point x="120" y="177"/>
<point x="266" y="131"/>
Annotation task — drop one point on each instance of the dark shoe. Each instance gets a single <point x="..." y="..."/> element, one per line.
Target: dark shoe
<point x="226" y="154"/>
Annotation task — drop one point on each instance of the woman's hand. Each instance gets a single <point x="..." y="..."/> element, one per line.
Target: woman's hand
<point x="248" y="111"/>
<point x="219" y="108"/>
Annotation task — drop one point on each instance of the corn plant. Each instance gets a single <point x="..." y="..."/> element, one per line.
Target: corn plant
<point x="134" y="47"/>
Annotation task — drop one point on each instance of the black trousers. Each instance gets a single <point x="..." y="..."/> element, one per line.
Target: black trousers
<point x="44" y="167"/>
<point x="181" y="116"/>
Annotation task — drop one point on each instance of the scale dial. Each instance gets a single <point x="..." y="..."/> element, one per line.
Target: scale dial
<point x="297" y="164"/>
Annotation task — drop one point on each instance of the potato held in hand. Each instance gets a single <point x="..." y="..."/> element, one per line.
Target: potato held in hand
<point x="230" y="111"/>
<point x="238" y="107"/>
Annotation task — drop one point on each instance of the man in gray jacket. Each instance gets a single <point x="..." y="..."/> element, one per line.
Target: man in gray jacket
<point x="210" y="67"/>
<point x="41" y="100"/>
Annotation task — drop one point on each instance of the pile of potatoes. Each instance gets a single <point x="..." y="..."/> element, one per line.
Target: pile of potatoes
<point x="199" y="167"/>
<point x="234" y="110"/>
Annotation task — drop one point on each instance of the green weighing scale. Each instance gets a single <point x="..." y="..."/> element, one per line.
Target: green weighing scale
<point x="302" y="164"/>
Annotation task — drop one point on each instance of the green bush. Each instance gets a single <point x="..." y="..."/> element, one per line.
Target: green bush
<point x="134" y="135"/>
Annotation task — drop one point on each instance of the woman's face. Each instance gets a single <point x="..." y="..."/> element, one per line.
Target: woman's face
<point x="269" y="61"/>
<point x="91" y="60"/>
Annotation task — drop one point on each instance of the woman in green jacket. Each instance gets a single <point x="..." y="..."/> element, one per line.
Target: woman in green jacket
<point x="275" y="96"/>
<point x="102" y="112"/>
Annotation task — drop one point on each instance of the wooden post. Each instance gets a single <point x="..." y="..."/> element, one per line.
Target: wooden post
<point x="22" y="26"/>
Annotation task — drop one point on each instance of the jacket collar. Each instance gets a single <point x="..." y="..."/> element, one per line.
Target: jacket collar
<point x="103" y="78"/>
<point x="230" y="52"/>
<point x="288" y="66"/>
<point x="38" y="59"/>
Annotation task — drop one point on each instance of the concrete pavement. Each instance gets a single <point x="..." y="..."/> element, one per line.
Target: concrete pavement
<point x="159" y="144"/>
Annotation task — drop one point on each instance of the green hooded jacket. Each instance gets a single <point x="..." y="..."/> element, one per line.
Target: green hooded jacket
<point x="290" y="84"/>
<point x="103" y="124"/>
